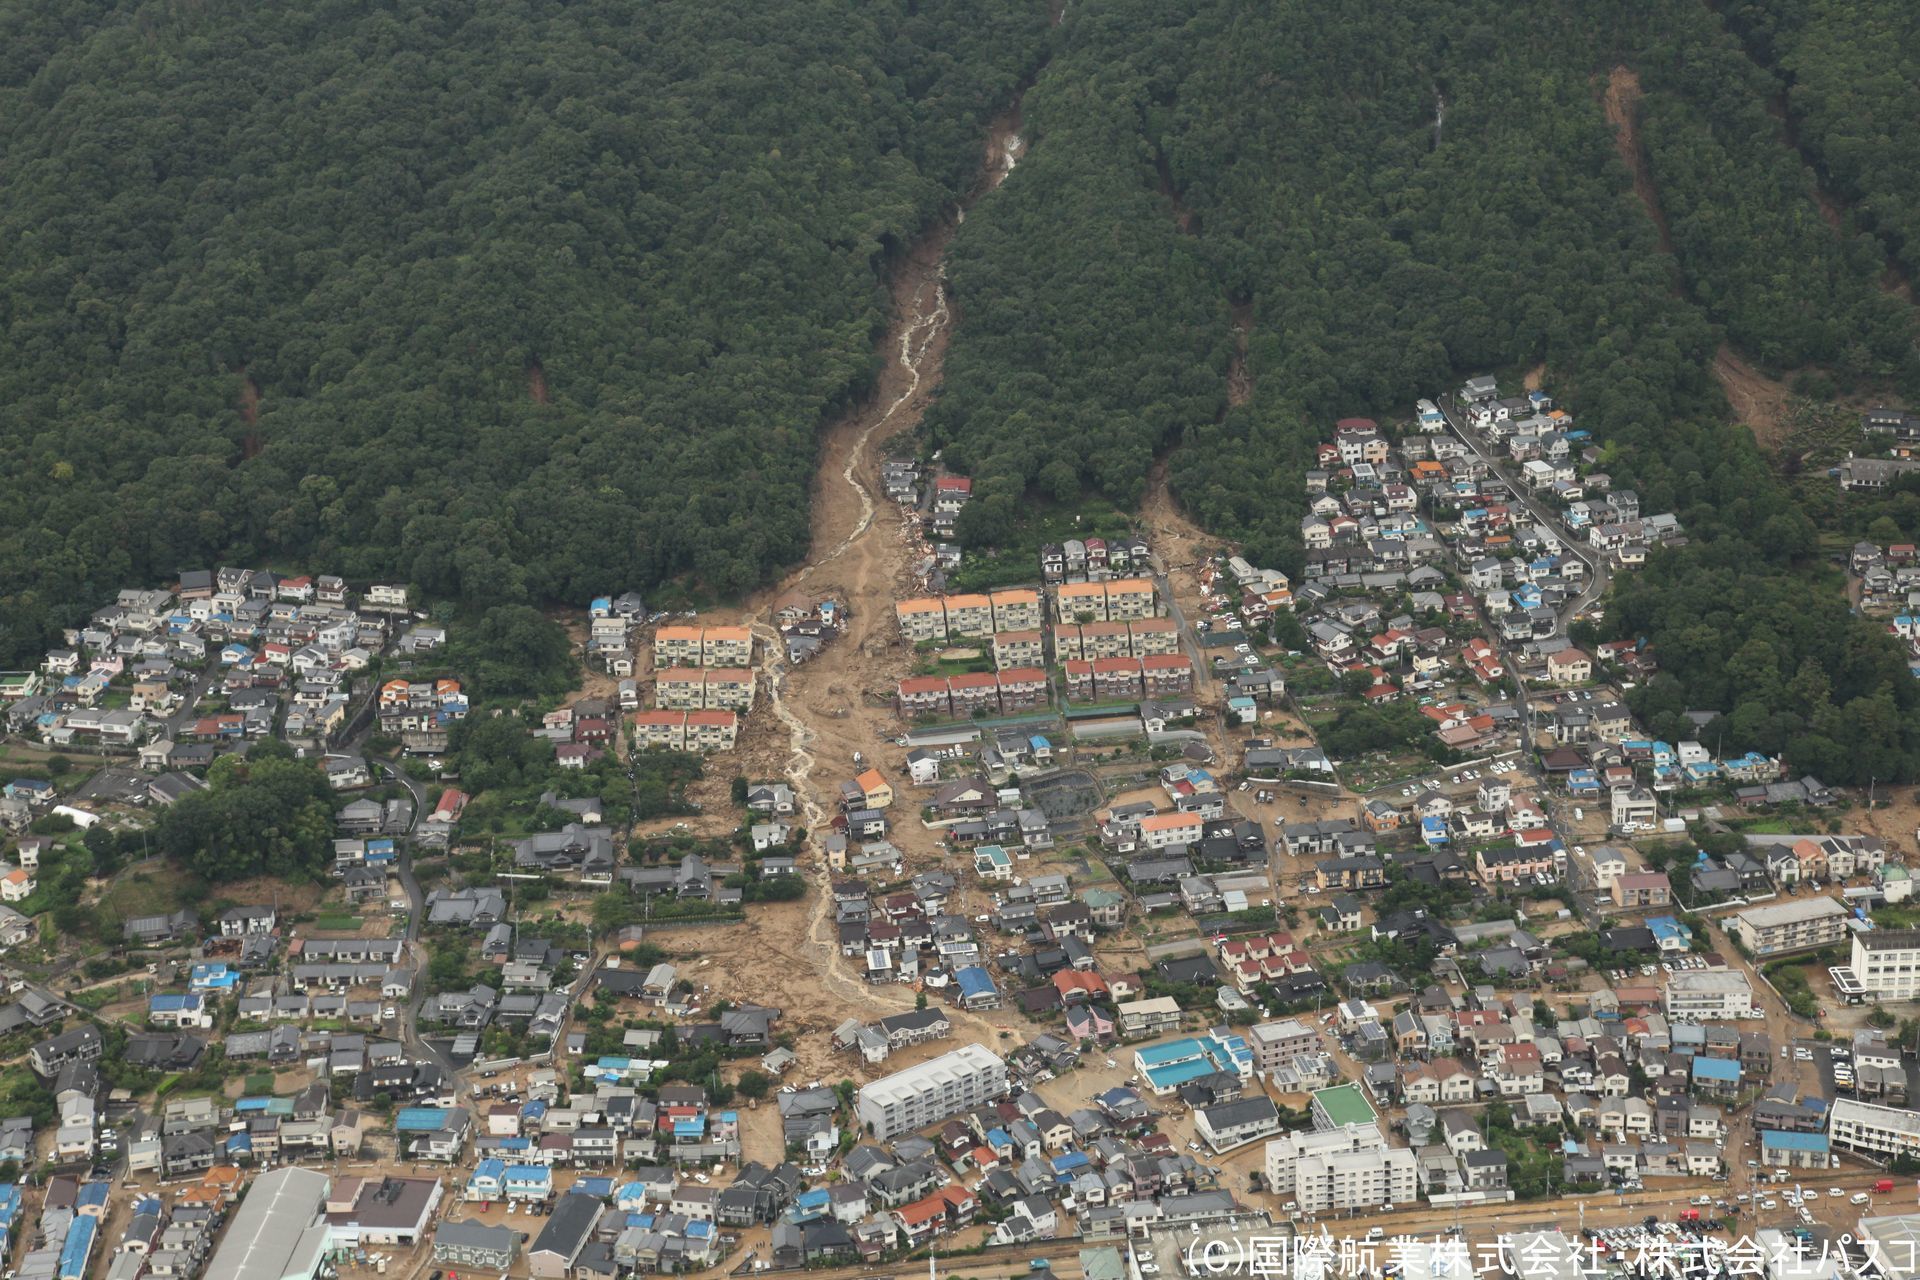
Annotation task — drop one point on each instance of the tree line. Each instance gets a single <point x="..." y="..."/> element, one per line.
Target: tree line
<point x="538" y="299"/>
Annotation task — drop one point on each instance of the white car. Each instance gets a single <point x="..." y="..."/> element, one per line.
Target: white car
<point x="1769" y="1204"/>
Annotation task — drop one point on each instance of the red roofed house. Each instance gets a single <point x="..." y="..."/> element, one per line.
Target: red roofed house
<point x="452" y="804"/>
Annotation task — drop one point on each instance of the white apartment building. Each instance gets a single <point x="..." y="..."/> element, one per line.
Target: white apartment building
<point x="1357" y="1179"/>
<point x="1709" y="995"/>
<point x="1886" y="962"/>
<point x="1286" y="1152"/>
<point x="1789" y="926"/>
<point x="931" y="1092"/>
<point x="1870" y="1129"/>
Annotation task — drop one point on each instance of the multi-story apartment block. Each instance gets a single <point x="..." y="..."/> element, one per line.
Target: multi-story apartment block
<point x="666" y="729"/>
<point x="1153" y="636"/>
<point x="924" y="696"/>
<point x="1116" y="678"/>
<point x="726" y="647"/>
<point x="1789" y="926"/>
<point x="974" y="692"/>
<point x="921" y="619"/>
<point x="677" y="646"/>
<point x="1016" y="609"/>
<point x="1867" y="1128"/>
<point x="1356" y="1179"/>
<point x="970" y="616"/>
<point x="1166" y="673"/>
<point x="1129" y="598"/>
<point x="680" y="688"/>
<point x="1886" y="964"/>
<point x="1018" y="649"/>
<point x="1081" y="602"/>
<point x="1351" y="1167"/>
<point x="1276" y="1044"/>
<point x="712" y="730"/>
<point x="1106" y="640"/>
<point x="934" y="1091"/>
<point x="1022" y="687"/>
<point x="729" y="689"/>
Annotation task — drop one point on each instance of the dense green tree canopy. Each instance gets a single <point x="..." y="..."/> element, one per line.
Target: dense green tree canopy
<point x="539" y="299"/>
<point x="266" y="813"/>
<point x="1390" y="196"/>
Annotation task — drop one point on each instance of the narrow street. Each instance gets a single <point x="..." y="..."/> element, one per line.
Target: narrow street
<point x="409" y="1028"/>
<point x="1598" y="572"/>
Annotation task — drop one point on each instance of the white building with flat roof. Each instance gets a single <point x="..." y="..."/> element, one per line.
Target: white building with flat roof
<point x="931" y="1092"/>
<point x="1886" y="963"/>
<point x="1357" y="1179"/>
<point x="1871" y="1129"/>
<point x="1709" y="995"/>
<point x="1345" y="1168"/>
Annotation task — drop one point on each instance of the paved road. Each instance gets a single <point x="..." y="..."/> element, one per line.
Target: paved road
<point x="409" y="1028"/>
<point x="188" y="712"/>
<point x="1597" y="570"/>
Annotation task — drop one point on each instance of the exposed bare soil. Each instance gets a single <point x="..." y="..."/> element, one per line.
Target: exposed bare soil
<point x="250" y="414"/>
<point x="1622" y="103"/>
<point x="537" y="382"/>
<point x="1758" y="401"/>
<point x="810" y="720"/>
<point x="1239" y="380"/>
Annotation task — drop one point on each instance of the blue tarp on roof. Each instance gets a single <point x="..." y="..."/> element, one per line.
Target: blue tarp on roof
<point x="79" y="1246"/>
<point x="420" y="1120"/>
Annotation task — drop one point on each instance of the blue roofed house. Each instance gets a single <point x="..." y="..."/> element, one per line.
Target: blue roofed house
<point x="527" y="1182"/>
<point x="1780" y="1149"/>
<point x="976" y="988"/>
<point x="487" y="1182"/>
<point x="212" y="977"/>
<point x="1716" y="1077"/>
<point x="1670" y="934"/>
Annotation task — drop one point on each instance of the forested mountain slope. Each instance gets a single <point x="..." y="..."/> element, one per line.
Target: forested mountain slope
<point x="1854" y="96"/>
<point x="538" y="299"/>
<point x="1405" y="192"/>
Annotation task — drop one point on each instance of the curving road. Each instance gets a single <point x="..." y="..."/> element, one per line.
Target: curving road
<point x="409" y="1028"/>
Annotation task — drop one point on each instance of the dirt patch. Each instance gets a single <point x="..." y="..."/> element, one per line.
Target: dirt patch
<point x="1535" y="376"/>
<point x="1239" y="381"/>
<point x="1758" y="401"/>
<point x="537" y="382"/>
<point x="1622" y="104"/>
<point x="290" y="898"/>
<point x="1005" y="145"/>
